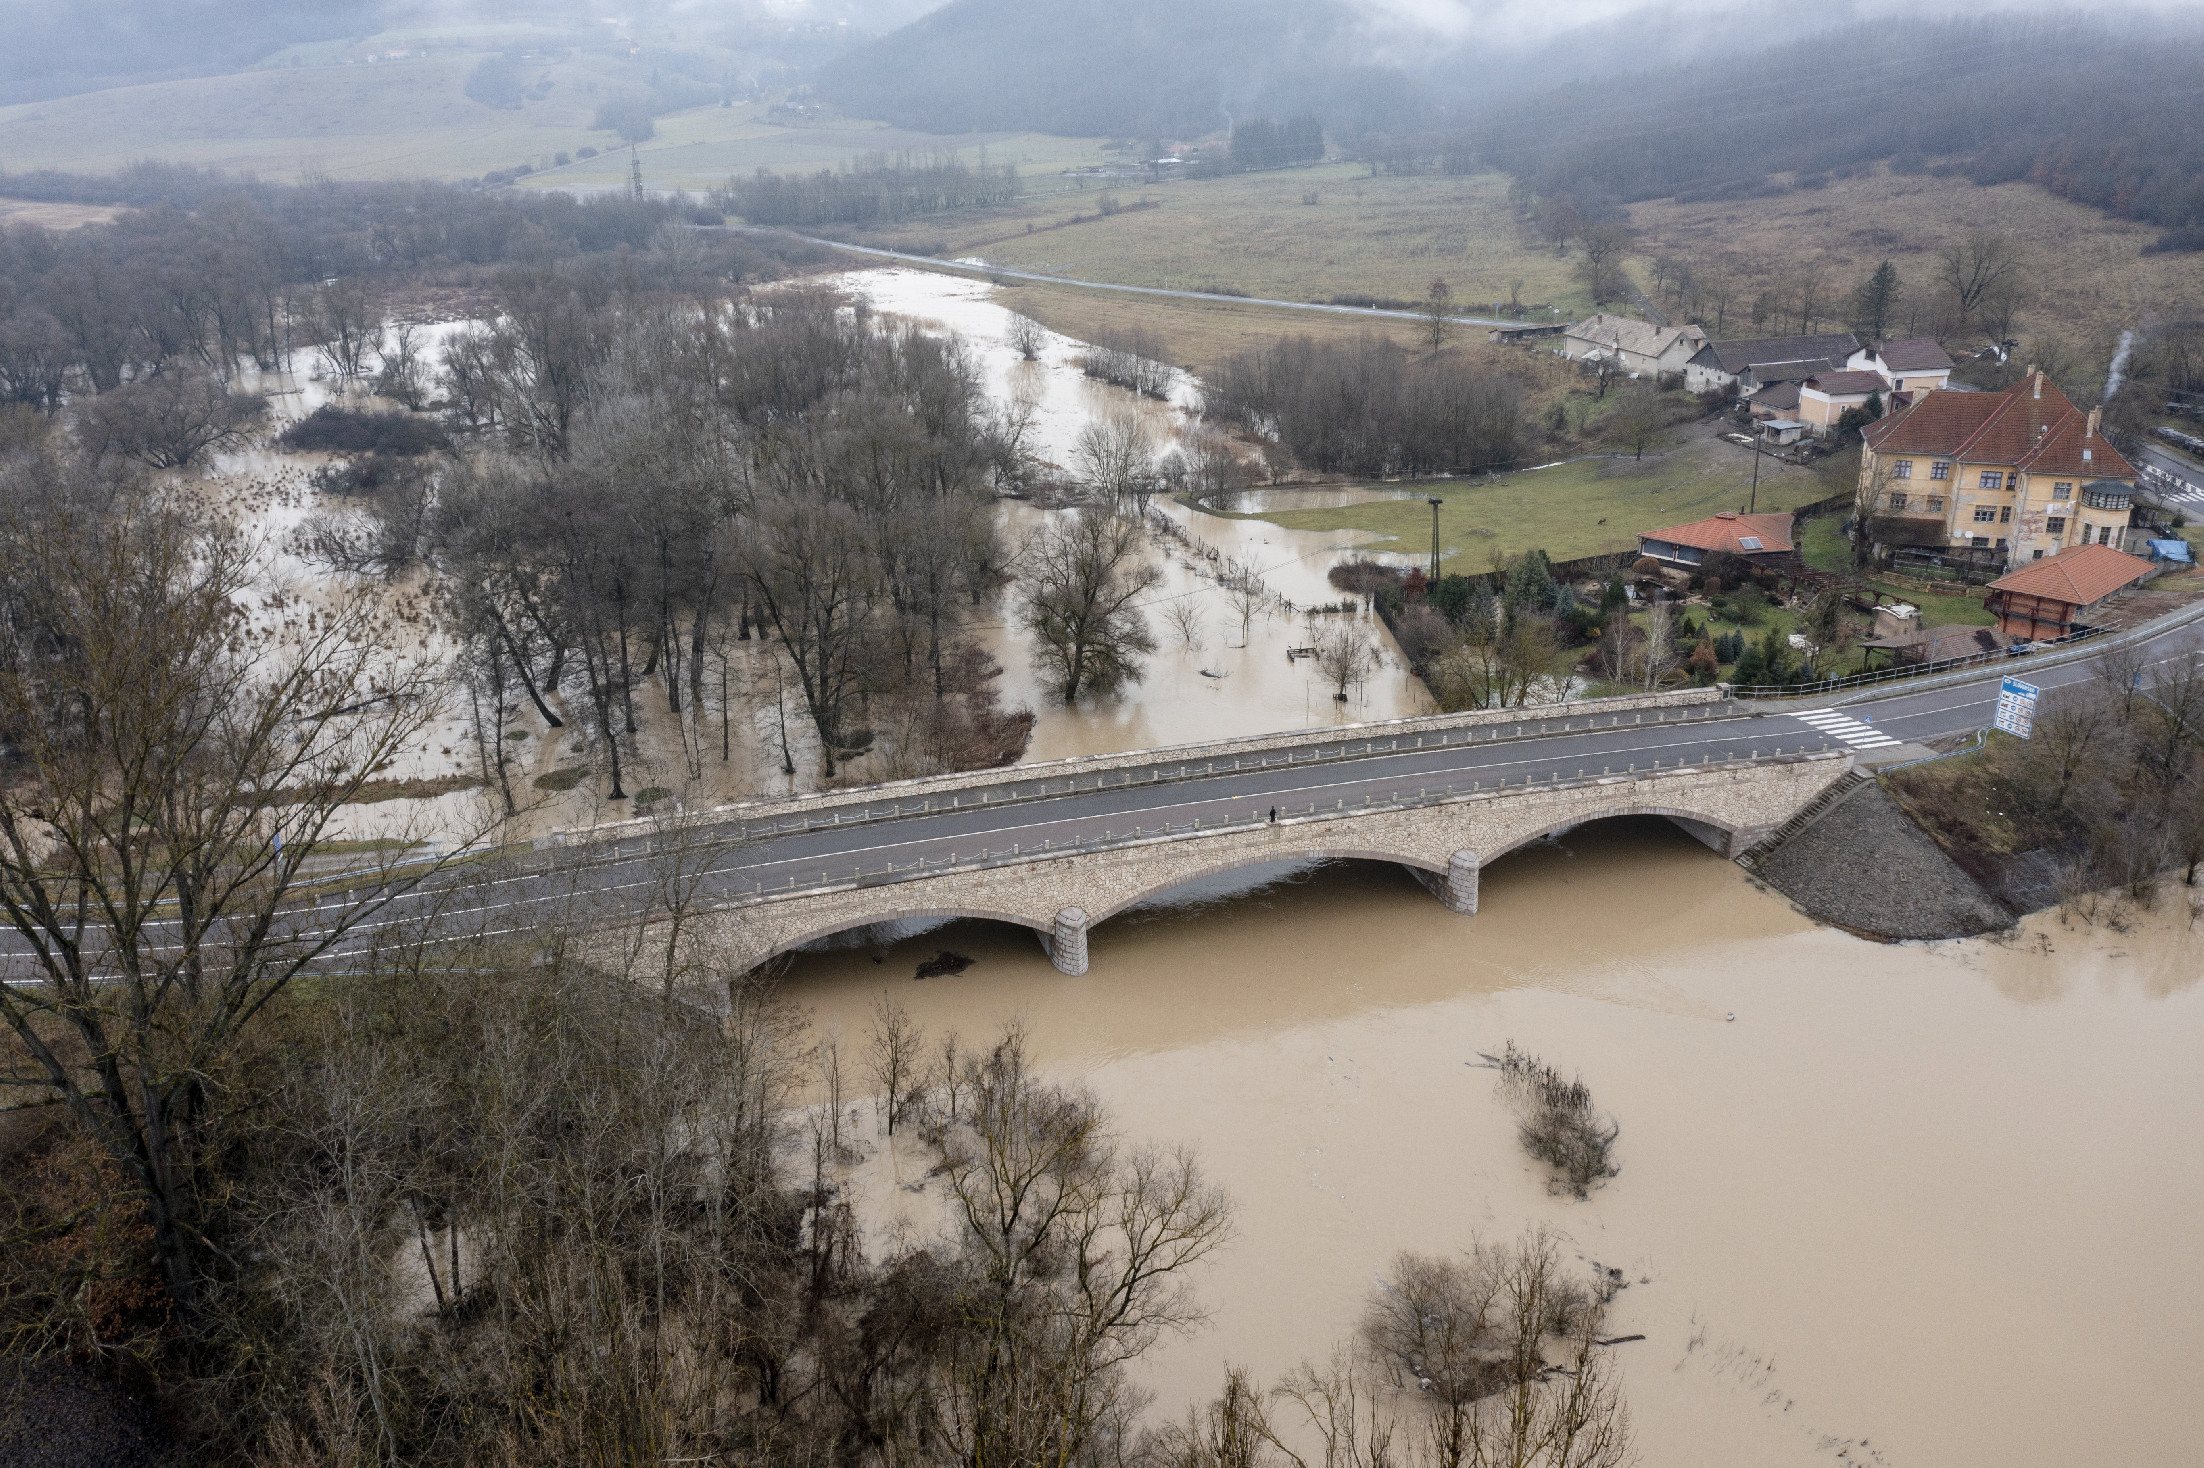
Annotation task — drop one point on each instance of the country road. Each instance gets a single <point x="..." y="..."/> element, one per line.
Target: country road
<point x="712" y="864"/>
<point x="933" y="263"/>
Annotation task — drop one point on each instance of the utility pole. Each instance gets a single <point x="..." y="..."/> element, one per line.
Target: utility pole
<point x="1435" y="503"/>
<point x="1755" y="501"/>
<point x="635" y="174"/>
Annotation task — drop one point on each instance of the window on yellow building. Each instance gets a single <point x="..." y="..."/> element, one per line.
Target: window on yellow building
<point x="1939" y="471"/>
<point x="1992" y="479"/>
<point x="2054" y="524"/>
<point x="1903" y="469"/>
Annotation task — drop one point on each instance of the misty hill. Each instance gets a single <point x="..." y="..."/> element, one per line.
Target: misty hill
<point x="1169" y="68"/>
<point x="2108" y="117"/>
<point x="59" y="47"/>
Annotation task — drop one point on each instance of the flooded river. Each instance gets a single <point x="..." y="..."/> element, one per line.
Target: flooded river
<point x="1913" y="1205"/>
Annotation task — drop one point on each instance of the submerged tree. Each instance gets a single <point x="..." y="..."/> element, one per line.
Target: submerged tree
<point x="1083" y="582"/>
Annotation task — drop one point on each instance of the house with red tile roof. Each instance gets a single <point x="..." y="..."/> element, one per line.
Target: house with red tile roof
<point x="2022" y="474"/>
<point x="2055" y="596"/>
<point x="1755" y="537"/>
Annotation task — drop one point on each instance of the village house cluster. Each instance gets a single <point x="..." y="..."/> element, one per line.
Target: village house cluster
<point x="1999" y="479"/>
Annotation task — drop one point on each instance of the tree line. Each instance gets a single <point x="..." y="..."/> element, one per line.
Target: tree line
<point x="874" y="189"/>
<point x="213" y="276"/>
<point x="1372" y="407"/>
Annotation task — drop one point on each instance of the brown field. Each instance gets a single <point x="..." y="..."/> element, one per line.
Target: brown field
<point x="54" y="216"/>
<point x="2088" y="278"/>
<point x="1386" y="237"/>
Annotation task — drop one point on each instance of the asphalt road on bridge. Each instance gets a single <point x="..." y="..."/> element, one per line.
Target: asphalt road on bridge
<point x="1335" y="769"/>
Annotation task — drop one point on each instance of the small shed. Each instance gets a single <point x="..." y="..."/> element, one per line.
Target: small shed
<point x="1782" y="430"/>
<point x="2053" y="597"/>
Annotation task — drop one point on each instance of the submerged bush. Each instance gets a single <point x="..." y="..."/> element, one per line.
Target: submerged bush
<point x="1560" y="1126"/>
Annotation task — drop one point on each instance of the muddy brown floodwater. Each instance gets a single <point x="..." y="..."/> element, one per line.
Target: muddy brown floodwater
<point x="1915" y="1205"/>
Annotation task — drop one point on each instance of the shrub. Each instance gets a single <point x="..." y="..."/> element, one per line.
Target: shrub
<point x="1560" y="1126"/>
<point x="330" y="429"/>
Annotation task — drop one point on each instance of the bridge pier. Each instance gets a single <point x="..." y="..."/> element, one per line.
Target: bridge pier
<point x="1458" y="888"/>
<point x="1066" y="942"/>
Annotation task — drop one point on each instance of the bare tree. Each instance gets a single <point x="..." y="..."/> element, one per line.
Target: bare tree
<point x="1184" y="615"/>
<point x="170" y="421"/>
<point x="893" y="1059"/>
<point x="1026" y="337"/>
<point x="344" y="318"/>
<point x="1437" y="310"/>
<point x="1639" y="420"/>
<point x="173" y="780"/>
<point x="1083" y="581"/>
<point x="403" y="375"/>
<point x="1346" y="656"/>
<point x="1076" y="1249"/>
<point x="1115" y="454"/>
<point x="1971" y="268"/>
<point x="1241" y="580"/>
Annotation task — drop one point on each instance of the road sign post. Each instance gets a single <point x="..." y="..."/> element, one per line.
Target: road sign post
<point x="2016" y="707"/>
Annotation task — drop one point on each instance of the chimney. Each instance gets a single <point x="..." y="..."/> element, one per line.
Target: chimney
<point x="2095" y="416"/>
<point x="2038" y="376"/>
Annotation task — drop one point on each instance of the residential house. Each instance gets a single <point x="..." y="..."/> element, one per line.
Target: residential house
<point x="1778" y="400"/>
<point x="1754" y="537"/>
<point x="2021" y="473"/>
<point x="1912" y="365"/>
<point x="1752" y="364"/>
<point x="1641" y="348"/>
<point x="1826" y="397"/>
<point x="2056" y="596"/>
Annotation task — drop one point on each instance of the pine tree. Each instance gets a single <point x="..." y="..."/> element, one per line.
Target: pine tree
<point x="1875" y="301"/>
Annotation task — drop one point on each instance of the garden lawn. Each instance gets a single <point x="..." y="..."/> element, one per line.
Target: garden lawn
<point x="1591" y="507"/>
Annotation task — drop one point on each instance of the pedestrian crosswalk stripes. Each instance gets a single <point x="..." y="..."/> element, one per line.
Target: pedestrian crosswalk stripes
<point x="1855" y="732"/>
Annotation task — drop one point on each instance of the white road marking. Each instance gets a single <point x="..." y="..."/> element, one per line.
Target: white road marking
<point x="1852" y="731"/>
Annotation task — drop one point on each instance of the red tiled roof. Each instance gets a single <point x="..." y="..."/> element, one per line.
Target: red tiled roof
<point x="1726" y="531"/>
<point x="2032" y="427"/>
<point x="2081" y="576"/>
<point x="1847" y="384"/>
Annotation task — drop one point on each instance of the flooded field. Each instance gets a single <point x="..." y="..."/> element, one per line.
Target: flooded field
<point x="1221" y="685"/>
<point x="1912" y="1205"/>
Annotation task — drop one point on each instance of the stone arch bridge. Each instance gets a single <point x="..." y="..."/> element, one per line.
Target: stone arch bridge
<point x="1444" y="841"/>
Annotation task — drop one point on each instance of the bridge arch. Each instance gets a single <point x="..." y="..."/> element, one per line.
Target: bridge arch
<point x="793" y="938"/>
<point x="1708" y="829"/>
<point x="1423" y="861"/>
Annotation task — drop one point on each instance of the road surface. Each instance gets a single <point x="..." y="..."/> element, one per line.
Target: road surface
<point x="624" y="879"/>
<point x="931" y="262"/>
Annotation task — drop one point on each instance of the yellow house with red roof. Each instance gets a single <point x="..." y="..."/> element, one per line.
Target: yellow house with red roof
<point x="2023" y="472"/>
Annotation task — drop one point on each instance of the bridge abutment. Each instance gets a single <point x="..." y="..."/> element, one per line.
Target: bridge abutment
<point x="1066" y="941"/>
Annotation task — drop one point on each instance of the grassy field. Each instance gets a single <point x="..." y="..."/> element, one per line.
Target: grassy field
<point x="1591" y="507"/>
<point x="1387" y="237"/>
<point x="2086" y="274"/>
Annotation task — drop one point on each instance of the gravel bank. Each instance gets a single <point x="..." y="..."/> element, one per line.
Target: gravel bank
<point x="1867" y="867"/>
